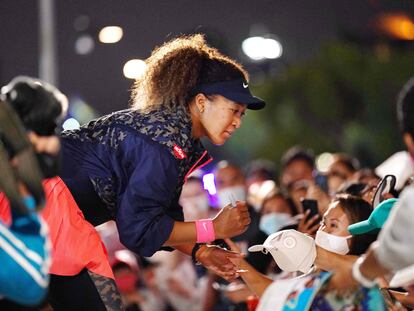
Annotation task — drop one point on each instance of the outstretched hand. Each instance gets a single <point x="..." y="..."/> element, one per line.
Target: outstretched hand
<point x="219" y="261"/>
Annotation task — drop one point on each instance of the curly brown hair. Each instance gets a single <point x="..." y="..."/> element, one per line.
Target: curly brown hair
<point x="177" y="67"/>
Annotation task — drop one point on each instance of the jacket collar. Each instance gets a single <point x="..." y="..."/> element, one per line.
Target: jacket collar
<point x="173" y="128"/>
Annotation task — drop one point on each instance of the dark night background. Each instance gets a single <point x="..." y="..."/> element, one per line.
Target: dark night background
<point x="313" y="33"/>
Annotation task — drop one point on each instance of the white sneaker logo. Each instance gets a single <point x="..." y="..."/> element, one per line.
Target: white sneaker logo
<point x="245" y="85"/>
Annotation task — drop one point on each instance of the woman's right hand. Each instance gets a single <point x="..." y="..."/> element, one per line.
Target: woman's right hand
<point x="231" y="221"/>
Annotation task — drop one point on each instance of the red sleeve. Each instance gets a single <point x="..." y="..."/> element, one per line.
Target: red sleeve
<point x="5" y="215"/>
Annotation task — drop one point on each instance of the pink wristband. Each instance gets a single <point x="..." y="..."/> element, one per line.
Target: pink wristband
<point x="205" y="231"/>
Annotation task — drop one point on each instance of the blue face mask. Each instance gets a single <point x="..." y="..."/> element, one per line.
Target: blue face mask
<point x="273" y="222"/>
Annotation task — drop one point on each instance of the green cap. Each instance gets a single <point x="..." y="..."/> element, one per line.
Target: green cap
<point x="376" y="220"/>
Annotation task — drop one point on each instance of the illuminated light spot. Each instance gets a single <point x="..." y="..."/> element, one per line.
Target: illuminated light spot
<point x="208" y="183"/>
<point x="110" y="34"/>
<point x="134" y="68"/>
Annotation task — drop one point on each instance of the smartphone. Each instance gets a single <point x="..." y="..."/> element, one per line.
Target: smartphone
<point x="311" y="205"/>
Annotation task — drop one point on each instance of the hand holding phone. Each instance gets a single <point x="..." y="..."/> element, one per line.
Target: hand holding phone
<point x="310" y="222"/>
<point x="311" y="205"/>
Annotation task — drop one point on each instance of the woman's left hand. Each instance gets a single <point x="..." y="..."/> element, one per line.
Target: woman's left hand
<point x="217" y="260"/>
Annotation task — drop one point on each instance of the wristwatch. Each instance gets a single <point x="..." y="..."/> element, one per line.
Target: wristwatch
<point x="359" y="277"/>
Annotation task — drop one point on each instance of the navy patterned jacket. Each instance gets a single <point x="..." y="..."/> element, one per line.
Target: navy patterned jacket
<point x="130" y="167"/>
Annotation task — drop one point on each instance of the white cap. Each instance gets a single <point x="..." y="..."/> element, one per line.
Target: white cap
<point x="292" y="250"/>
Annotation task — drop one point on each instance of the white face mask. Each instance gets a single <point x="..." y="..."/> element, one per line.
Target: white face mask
<point x="224" y="195"/>
<point x="273" y="222"/>
<point x="332" y="243"/>
<point x="195" y="207"/>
